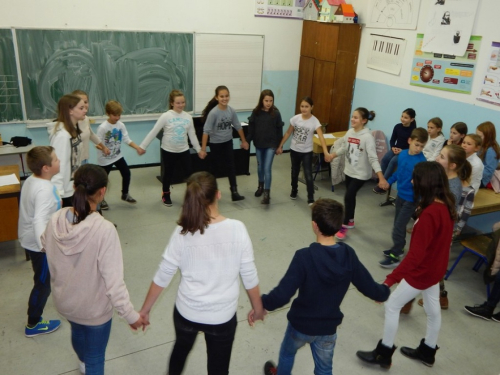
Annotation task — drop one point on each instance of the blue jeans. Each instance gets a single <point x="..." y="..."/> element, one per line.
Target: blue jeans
<point x="265" y="157"/>
<point x="304" y="158"/>
<point x="389" y="163"/>
<point x="404" y="211"/>
<point x="321" y="348"/>
<point x="89" y="343"/>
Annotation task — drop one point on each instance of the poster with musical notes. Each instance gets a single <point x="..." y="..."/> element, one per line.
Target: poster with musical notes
<point x="490" y="89"/>
<point x="445" y="72"/>
<point x="280" y="8"/>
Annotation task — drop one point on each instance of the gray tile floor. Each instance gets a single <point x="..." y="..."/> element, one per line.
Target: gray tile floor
<point x="468" y="345"/>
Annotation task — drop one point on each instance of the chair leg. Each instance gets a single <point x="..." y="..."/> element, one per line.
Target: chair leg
<point x="448" y="273"/>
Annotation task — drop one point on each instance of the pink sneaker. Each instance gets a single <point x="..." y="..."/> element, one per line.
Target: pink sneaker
<point x="349" y="225"/>
<point x="341" y="234"/>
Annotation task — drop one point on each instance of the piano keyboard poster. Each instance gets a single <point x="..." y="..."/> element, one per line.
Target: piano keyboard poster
<point x="386" y="53"/>
<point x="445" y="72"/>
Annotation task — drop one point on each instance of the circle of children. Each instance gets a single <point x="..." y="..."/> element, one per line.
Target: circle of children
<point x="436" y="184"/>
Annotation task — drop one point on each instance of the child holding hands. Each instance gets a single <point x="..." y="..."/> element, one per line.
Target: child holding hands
<point x="112" y="133"/>
<point x="322" y="274"/>
<point x="302" y="127"/>
<point x="360" y="158"/>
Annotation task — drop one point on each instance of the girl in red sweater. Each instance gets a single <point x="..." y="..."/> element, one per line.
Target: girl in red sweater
<point x="423" y="267"/>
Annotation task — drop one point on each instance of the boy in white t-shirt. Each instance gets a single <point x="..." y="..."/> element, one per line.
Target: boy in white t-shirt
<point x="39" y="200"/>
<point x="112" y="133"/>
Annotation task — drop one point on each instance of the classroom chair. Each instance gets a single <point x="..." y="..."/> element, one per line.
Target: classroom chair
<point x="477" y="245"/>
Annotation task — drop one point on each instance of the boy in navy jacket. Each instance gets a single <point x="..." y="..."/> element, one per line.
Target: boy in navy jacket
<point x="322" y="273"/>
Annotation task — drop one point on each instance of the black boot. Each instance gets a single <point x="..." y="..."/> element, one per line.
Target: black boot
<point x="425" y="353"/>
<point x="260" y="189"/>
<point x="266" y="198"/>
<point x="234" y="194"/>
<point x="382" y="355"/>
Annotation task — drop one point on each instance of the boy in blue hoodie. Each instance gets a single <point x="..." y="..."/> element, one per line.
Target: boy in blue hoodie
<point x="322" y="273"/>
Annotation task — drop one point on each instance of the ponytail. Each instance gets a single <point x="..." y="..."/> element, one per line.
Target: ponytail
<point x="456" y="155"/>
<point x="212" y="103"/>
<point x="89" y="179"/>
<point x="201" y="192"/>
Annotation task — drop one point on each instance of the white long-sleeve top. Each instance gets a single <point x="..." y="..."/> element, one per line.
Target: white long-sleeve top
<point x="433" y="147"/>
<point x="69" y="152"/>
<point x="112" y="136"/>
<point x="477" y="171"/>
<point x="210" y="265"/>
<point x="176" y="128"/>
<point x="39" y="200"/>
<point x="360" y="154"/>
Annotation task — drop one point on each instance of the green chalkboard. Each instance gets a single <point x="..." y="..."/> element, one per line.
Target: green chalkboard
<point x="139" y="69"/>
<point x="10" y="97"/>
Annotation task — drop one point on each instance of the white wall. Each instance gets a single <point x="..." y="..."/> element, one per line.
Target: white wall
<point x="215" y="16"/>
<point x="486" y="25"/>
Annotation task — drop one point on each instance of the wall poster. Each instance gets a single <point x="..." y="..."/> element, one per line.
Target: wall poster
<point x="490" y="89"/>
<point x="445" y="72"/>
<point x="390" y="14"/>
<point x="279" y="8"/>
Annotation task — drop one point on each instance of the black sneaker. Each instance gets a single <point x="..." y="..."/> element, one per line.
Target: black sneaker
<point x="481" y="311"/>
<point x="104" y="205"/>
<point x="270" y="368"/>
<point x="392" y="261"/>
<point x="166" y="199"/>
<point x="396" y="253"/>
<point x="496" y="317"/>
<point x="293" y="194"/>
<point x="378" y="190"/>
<point x="128" y="198"/>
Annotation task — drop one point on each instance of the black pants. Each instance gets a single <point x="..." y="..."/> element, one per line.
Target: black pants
<point x="122" y="166"/>
<point x="304" y="158"/>
<point x="352" y="186"/>
<point x="219" y="339"/>
<point x="41" y="288"/>
<point x="67" y="202"/>
<point x="171" y="161"/>
<point x="222" y="159"/>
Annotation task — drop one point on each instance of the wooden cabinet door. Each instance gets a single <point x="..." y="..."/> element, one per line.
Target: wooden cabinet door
<point x="309" y="40"/>
<point x="327" y="35"/>
<point x="322" y="89"/>
<point x="306" y="74"/>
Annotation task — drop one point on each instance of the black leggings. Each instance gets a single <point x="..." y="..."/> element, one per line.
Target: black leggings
<point x="222" y="159"/>
<point x="171" y="161"/>
<point x="218" y="337"/>
<point x="352" y="186"/>
<point x="122" y="166"/>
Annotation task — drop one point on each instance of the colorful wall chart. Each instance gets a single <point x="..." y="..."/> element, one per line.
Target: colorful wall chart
<point x="279" y="8"/>
<point x="490" y="89"/>
<point x="445" y="72"/>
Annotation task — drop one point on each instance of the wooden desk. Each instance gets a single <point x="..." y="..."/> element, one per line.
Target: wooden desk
<point x="11" y="150"/>
<point x="485" y="201"/>
<point x="317" y="149"/>
<point x="9" y="205"/>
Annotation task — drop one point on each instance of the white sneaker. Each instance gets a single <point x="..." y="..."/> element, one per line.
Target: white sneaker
<point x="82" y="368"/>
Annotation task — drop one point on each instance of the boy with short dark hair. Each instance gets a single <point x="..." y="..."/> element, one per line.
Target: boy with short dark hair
<point x="112" y="133"/>
<point x="405" y="205"/>
<point x="322" y="273"/>
<point x="39" y="200"/>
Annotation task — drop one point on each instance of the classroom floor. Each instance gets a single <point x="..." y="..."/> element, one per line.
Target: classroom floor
<point x="468" y="345"/>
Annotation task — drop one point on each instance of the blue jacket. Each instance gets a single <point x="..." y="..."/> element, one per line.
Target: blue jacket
<point x="403" y="174"/>
<point x="322" y="274"/>
<point x="490" y="164"/>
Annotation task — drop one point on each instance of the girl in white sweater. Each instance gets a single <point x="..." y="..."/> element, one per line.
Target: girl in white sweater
<point x="177" y="126"/>
<point x="436" y="139"/>
<point x="360" y="158"/>
<point x="212" y="253"/>
<point x="66" y="139"/>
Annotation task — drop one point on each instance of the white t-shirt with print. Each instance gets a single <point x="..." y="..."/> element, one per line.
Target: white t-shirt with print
<point x="303" y="132"/>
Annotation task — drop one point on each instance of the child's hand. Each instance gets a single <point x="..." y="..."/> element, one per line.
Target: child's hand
<point x="279" y="151"/>
<point x="138" y="324"/>
<point x="383" y="185"/>
<point x="202" y="154"/>
<point x="105" y="151"/>
<point x="145" y="319"/>
<point x="140" y="151"/>
<point x="245" y="145"/>
<point x="328" y="158"/>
